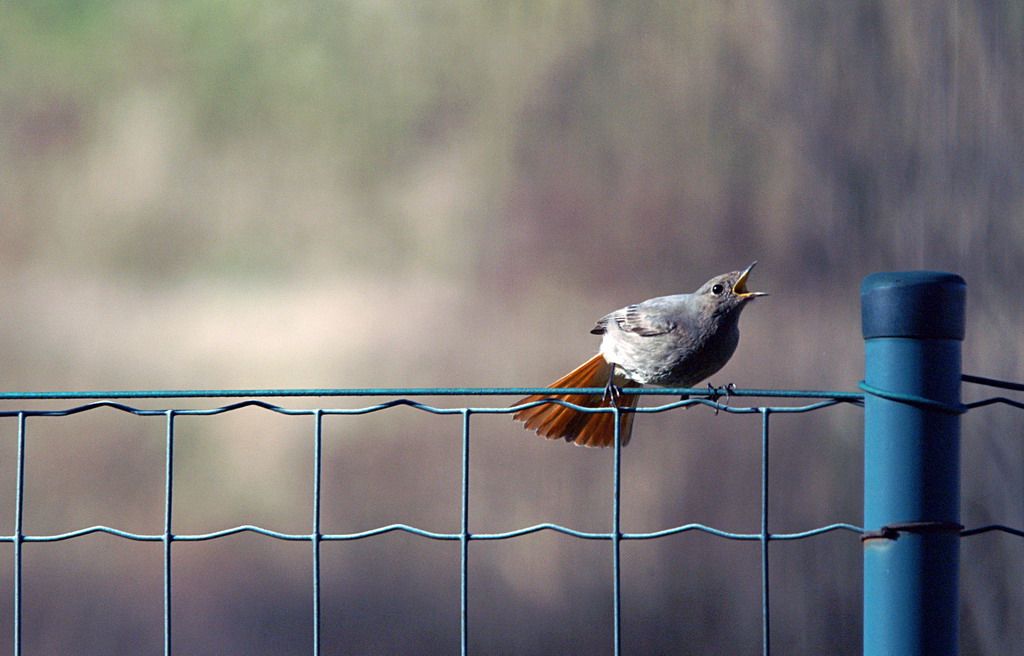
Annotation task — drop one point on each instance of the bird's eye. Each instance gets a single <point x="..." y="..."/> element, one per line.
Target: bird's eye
<point x="718" y="289"/>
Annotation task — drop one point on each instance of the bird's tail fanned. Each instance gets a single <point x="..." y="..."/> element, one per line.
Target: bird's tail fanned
<point x="555" y="421"/>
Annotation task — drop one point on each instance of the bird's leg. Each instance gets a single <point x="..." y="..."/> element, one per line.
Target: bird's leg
<point x="713" y="395"/>
<point x="612" y="392"/>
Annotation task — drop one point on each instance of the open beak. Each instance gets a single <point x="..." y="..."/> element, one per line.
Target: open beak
<point x="740" y="288"/>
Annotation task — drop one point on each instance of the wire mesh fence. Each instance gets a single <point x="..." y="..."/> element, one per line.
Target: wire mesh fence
<point x="721" y="401"/>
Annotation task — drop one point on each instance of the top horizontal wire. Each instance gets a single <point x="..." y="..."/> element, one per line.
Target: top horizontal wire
<point x="992" y="382"/>
<point x="705" y="394"/>
<point x="418" y="391"/>
<point x="827" y="399"/>
<point x="827" y="402"/>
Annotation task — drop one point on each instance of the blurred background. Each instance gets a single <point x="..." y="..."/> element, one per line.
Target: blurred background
<point x="357" y="194"/>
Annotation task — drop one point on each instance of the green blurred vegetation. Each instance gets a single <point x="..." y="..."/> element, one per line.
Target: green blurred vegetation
<point x="814" y="131"/>
<point x="376" y="193"/>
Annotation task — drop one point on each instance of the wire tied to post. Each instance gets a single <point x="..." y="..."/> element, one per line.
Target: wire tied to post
<point x="893" y="531"/>
<point x="913" y="399"/>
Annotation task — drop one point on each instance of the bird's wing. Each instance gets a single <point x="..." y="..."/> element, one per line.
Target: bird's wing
<point x="644" y="319"/>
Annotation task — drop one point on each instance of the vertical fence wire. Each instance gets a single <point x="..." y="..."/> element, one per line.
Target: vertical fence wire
<point x="464" y="541"/>
<point x="318" y="442"/>
<point x="617" y="536"/>
<point x="765" y="538"/>
<point x="19" y="535"/>
<point x="168" y="536"/>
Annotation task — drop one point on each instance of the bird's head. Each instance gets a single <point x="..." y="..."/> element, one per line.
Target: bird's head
<point x="728" y="291"/>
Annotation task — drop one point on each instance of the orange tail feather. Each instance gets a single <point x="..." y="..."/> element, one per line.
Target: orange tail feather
<point x="554" y="421"/>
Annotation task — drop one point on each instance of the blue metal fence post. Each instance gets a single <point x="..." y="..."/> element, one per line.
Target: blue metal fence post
<point x="913" y="325"/>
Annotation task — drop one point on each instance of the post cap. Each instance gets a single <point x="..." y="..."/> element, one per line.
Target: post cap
<point x="921" y="304"/>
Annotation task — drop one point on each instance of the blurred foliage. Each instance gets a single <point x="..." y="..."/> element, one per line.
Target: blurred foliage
<point x="809" y="130"/>
<point x="377" y="193"/>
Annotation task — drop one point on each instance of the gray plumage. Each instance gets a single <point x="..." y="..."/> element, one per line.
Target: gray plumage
<point x="672" y="341"/>
<point x="679" y="340"/>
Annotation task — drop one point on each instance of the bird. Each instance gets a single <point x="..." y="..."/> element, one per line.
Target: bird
<point x="668" y="341"/>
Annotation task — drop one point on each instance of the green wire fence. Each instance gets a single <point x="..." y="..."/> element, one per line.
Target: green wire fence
<point x="816" y="401"/>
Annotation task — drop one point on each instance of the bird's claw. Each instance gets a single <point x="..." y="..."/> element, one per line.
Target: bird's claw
<point x="612" y="394"/>
<point x="715" y="393"/>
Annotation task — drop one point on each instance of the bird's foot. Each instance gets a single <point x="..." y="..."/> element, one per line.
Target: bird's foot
<point x="612" y="392"/>
<point x="715" y="393"/>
